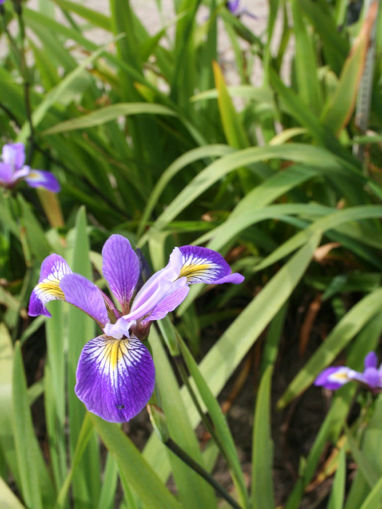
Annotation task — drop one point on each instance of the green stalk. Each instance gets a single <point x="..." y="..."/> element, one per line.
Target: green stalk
<point x="181" y="454"/>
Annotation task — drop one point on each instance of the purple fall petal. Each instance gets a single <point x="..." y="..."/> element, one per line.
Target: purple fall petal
<point x="371" y="360"/>
<point x="202" y="265"/>
<point x="85" y="295"/>
<point x="120" y="268"/>
<point x="234" y="278"/>
<point x="40" y="178"/>
<point x="53" y="269"/>
<point x="36" y="307"/>
<point x="6" y="174"/>
<point x="233" y="5"/>
<point x="14" y="154"/>
<point x="335" y="377"/>
<point x="115" y="378"/>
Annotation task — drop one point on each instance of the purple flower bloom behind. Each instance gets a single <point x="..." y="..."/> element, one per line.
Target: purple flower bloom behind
<point x="13" y="169"/>
<point x="335" y="377"/>
<point x="234" y="7"/>
<point x="115" y="373"/>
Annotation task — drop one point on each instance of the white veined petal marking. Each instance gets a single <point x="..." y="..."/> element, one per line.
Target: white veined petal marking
<point x="114" y="357"/>
<point x="36" y="176"/>
<point x="49" y="288"/>
<point x="340" y="376"/>
<point x="196" y="268"/>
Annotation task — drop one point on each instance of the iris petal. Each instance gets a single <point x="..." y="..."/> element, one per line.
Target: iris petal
<point x="6" y="174"/>
<point x="40" y="178"/>
<point x="53" y="269"/>
<point x="14" y="154"/>
<point x="203" y="265"/>
<point x="85" y="295"/>
<point x="335" y="377"/>
<point x="174" y="297"/>
<point x="371" y="360"/>
<point x="370" y="377"/>
<point x="115" y="378"/>
<point x="120" y="268"/>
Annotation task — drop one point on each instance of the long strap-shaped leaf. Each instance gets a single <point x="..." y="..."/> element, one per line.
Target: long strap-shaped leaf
<point x="262" y="449"/>
<point x="323" y="224"/>
<point x="341" y="105"/>
<point x="305" y="154"/>
<point x="54" y="94"/>
<point x="81" y="329"/>
<point x="37" y="489"/>
<point x="219" y="421"/>
<point x="107" y="114"/>
<point x="193" y="490"/>
<point x="134" y="468"/>
<point x="8" y="499"/>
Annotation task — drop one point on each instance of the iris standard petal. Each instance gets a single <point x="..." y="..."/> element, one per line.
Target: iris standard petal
<point x="335" y="377"/>
<point x="370" y="377"/>
<point x="85" y="295"/>
<point x="53" y="269"/>
<point x="120" y="268"/>
<point x="203" y="265"/>
<point x="371" y="360"/>
<point x="14" y="154"/>
<point x="40" y="178"/>
<point x="115" y="378"/>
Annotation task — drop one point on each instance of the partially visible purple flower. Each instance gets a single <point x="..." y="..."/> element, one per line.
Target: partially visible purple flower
<point x="335" y="377"/>
<point x="115" y="373"/>
<point x="1" y="2"/>
<point x="13" y="169"/>
<point x="234" y="7"/>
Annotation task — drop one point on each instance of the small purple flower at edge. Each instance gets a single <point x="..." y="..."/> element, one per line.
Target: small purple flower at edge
<point x="234" y="7"/>
<point x="115" y="372"/>
<point x="13" y="169"/>
<point x="335" y="377"/>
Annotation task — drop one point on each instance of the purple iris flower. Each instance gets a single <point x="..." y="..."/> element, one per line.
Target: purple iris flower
<point x="234" y="7"/>
<point x="115" y="373"/>
<point x="335" y="377"/>
<point x="13" y="169"/>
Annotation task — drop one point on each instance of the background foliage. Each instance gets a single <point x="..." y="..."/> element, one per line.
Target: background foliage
<point x="149" y="140"/>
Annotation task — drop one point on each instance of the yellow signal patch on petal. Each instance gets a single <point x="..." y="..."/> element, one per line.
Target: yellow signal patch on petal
<point x="115" y="350"/>
<point x="33" y="175"/>
<point x="189" y="271"/>
<point x="341" y="376"/>
<point x="49" y="289"/>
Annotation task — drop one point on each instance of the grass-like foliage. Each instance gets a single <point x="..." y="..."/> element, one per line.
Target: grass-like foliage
<point x="148" y="138"/>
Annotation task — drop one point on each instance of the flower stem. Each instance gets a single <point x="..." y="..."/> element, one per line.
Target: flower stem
<point x="181" y="454"/>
